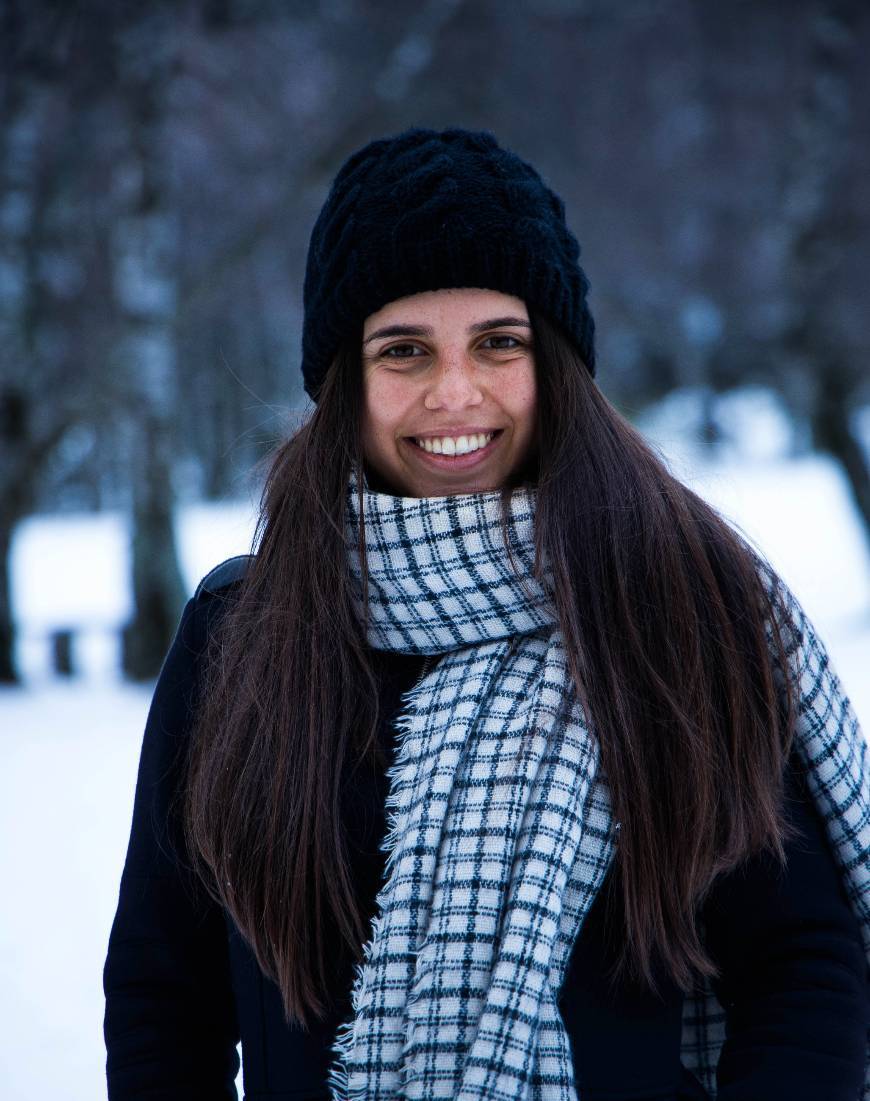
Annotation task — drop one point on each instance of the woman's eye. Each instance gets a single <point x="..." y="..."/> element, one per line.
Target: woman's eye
<point x="504" y="347"/>
<point x="407" y="351"/>
<point x="401" y="350"/>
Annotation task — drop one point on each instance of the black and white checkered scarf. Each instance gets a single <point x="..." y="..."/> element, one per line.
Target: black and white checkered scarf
<point x="499" y="824"/>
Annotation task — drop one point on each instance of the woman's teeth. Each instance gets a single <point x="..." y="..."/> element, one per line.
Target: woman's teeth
<point x="454" y="445"/>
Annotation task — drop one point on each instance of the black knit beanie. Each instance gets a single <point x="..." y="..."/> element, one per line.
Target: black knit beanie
<point x="428" y="209"/>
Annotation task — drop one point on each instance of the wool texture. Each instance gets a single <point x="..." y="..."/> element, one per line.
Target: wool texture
<point x="500" y="830"/>
<point x="427" y="209"/>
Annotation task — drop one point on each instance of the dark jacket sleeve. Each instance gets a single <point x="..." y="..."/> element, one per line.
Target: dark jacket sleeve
<point x="170" y="1025"/>
<point x="793" y="971"/>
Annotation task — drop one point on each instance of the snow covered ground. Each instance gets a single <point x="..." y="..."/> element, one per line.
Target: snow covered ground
<point x="70" y="754"/>
<point x="70" y="750"/>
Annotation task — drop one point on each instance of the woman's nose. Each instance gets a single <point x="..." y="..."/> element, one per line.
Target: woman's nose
<point x="453" y="385"/>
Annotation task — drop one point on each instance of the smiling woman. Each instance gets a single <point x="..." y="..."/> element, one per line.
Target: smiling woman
<point x="503" y="767"/>
<point x="455" y="411"/>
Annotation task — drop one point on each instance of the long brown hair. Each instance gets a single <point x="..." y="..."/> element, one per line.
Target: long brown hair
<point x="663" y="614"/>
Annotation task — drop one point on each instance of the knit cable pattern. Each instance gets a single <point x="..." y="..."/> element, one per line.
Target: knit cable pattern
<point x="428" y="209"/>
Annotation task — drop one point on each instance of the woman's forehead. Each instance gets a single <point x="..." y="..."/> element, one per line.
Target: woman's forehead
<point x="448" y="302"/>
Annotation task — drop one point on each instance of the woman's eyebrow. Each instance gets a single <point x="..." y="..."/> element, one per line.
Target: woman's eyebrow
<point x="497" y="322"/>
<point x="424" y="330"/>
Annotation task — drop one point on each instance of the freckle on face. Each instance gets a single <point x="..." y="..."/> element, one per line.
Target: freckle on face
<point x="449" y="382"/>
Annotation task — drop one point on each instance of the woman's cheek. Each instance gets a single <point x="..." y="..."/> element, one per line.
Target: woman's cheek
<point x="520" y="390"/>
<point x="386" y="400"/>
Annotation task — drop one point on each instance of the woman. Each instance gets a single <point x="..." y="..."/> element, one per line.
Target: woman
<point x="503" y="768"/>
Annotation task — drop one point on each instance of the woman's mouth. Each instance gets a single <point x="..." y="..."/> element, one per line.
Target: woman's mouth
<point x="455" y="452"/>
<point x="453" y="445"/>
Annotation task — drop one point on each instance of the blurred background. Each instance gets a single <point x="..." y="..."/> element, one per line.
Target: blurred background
<point x="161" y="167"/>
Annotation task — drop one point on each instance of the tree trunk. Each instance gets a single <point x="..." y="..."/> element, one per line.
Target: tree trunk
<point x="833" y="435"/>
<point x="818" y="233"/>
<point x="157" y="584"/>
<point x="8" y="672"/>
<point x="145" y="250"/>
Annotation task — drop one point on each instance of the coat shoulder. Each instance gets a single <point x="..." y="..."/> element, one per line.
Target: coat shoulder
<point x="223" y="575"/>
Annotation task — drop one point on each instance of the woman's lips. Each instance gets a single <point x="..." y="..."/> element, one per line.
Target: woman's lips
<point x="455" y="462"/>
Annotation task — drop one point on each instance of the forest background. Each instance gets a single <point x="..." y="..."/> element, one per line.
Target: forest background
<point x="161" y="166"/>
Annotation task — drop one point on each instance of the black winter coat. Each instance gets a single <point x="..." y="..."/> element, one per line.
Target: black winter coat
<point x="183" y="989"/>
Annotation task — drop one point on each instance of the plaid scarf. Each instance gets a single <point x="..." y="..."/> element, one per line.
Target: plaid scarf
<point x="499" y="824"/>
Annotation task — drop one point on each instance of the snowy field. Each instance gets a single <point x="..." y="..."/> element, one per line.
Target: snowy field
<point x="70" y="750"/>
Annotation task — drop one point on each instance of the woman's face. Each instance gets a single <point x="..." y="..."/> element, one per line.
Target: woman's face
<point x="449" y="392"/>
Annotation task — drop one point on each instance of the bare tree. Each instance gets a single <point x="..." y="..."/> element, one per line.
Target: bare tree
<point x="819" y="230"/>
<point x="42" y="268"/>
<point x="145" y="244"/>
